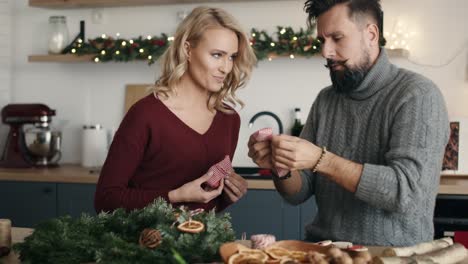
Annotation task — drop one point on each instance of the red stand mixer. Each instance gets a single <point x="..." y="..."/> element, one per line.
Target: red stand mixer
<point x="31" y="141"/>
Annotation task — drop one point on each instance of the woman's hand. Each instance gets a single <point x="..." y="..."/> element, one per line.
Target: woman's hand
<point x="293" y="153"/>
<point x="194" y="192"/>
<point x="234" y="187"/>
<point x="260" y="152"/>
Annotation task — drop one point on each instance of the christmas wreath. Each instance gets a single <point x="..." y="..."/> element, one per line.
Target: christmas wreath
<point x="157" y="233"/>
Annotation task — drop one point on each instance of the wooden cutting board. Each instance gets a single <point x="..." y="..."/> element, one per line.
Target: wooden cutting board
<point x="134" y="92"/>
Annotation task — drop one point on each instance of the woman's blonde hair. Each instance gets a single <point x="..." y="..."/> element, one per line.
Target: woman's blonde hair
<point x="174" y="60"/>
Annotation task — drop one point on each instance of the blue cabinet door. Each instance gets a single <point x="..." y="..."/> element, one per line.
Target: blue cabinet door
<point x="75" y="199"/>
<point x="27" y="203"/>
<point x="265" y="212"/>
<point x="308" y="212"/>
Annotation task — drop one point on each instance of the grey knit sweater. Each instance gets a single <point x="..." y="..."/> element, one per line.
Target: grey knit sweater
<point x="396" y="125"/>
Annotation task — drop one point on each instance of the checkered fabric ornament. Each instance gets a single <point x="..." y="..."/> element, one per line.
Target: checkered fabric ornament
<point x="220" y="170"/>
<point x="266" y="134"/>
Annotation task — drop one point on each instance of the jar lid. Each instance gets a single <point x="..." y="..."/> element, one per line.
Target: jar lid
<point x="96" y="126"/>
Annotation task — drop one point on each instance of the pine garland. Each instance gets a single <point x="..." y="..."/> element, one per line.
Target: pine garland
<point x="285" y="41"/>
<point x="113" y="237"/>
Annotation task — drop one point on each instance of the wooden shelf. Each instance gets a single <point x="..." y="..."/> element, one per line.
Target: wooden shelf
<point x="60" y="58"/>
<point x="89" y="58"/>
<point x="58" y="4"/>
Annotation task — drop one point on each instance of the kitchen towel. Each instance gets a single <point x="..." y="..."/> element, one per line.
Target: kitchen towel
<point x="266" y="134"/>
<point x="220" y="170"/>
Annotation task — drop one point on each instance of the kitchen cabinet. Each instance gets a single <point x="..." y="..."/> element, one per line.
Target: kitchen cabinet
<point x="75" y="199"/>
<point x="308" y="212"/>
<point x="450" y="214"/>
<point x="265" y="212"/>
<point x="27" y="203"/>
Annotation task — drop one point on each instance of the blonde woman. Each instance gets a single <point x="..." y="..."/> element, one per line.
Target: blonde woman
<point x="168" y="140"/>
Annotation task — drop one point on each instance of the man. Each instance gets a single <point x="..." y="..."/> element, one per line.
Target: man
<point x="371" y="149"/>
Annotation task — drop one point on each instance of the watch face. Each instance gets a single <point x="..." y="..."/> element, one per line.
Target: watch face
<point x="286" y="176"/>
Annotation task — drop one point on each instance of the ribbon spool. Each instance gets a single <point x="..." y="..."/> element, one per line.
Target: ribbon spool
<point x="5" y="237"/>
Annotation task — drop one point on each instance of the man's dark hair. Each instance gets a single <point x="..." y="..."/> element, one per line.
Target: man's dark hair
<point x="357" y="8"/>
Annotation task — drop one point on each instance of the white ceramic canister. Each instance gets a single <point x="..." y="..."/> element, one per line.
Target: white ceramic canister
<point x="95" y="144"/>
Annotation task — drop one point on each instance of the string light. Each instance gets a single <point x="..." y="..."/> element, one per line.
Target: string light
<point x="399" y="37"/>
<point x="300" y="43"/>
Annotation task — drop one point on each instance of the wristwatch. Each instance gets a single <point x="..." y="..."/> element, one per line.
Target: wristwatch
<point x="287" y="176"/>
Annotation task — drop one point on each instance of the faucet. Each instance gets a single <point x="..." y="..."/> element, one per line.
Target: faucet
<point x="257" y="115"/>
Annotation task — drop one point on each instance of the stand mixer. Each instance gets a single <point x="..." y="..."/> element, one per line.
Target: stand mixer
<point x="31" y="141"/>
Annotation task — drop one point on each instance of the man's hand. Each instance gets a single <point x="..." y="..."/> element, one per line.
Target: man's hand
<point x="260" y="152"/>
<point x="293" y="153"/>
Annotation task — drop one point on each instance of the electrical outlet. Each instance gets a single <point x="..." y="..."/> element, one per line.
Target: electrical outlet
<point x="181" y="15"/>
<point x="97" y="16"/>
<point x="466" y="67"/>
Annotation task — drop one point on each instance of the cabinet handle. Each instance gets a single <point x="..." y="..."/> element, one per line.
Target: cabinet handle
<point x="47" y="190"/>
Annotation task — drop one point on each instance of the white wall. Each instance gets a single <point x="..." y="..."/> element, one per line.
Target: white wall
<point x="5" y="59"/>
<point x="94" y="93"/>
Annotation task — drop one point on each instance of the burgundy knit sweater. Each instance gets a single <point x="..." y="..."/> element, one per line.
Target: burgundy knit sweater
<point x="154" y="152"/>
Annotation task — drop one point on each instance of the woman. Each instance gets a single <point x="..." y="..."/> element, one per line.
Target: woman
<point x="168" y="140"/>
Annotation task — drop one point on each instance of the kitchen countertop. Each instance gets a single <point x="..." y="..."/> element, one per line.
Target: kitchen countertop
<point x="68" y="173"/>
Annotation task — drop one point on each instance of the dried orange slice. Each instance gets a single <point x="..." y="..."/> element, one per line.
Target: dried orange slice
<point x="191" y="227"/>
<point x="300" y="256"/>
<point x="287" y="260"/>
<point x="256" y="253"/>
<point x="277" y="252"/>
<point x="240" y="258"/>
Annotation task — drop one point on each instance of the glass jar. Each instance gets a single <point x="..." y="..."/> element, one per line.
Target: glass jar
<point x="58" y="34"/>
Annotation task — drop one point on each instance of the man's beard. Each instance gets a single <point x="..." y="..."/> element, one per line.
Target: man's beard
<point x="348" y="79"/>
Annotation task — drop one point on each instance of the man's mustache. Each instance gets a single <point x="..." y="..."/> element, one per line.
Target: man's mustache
<point x="331" y="63"/>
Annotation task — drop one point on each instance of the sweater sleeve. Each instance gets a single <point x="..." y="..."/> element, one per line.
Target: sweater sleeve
<point x="419" y="134"/>
<point x="223" y="203"/>
<point x="307" y="177"/>
<point x="125" y="155"/>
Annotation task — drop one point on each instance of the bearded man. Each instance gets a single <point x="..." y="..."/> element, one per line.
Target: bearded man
<point x="372" y="147"/>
